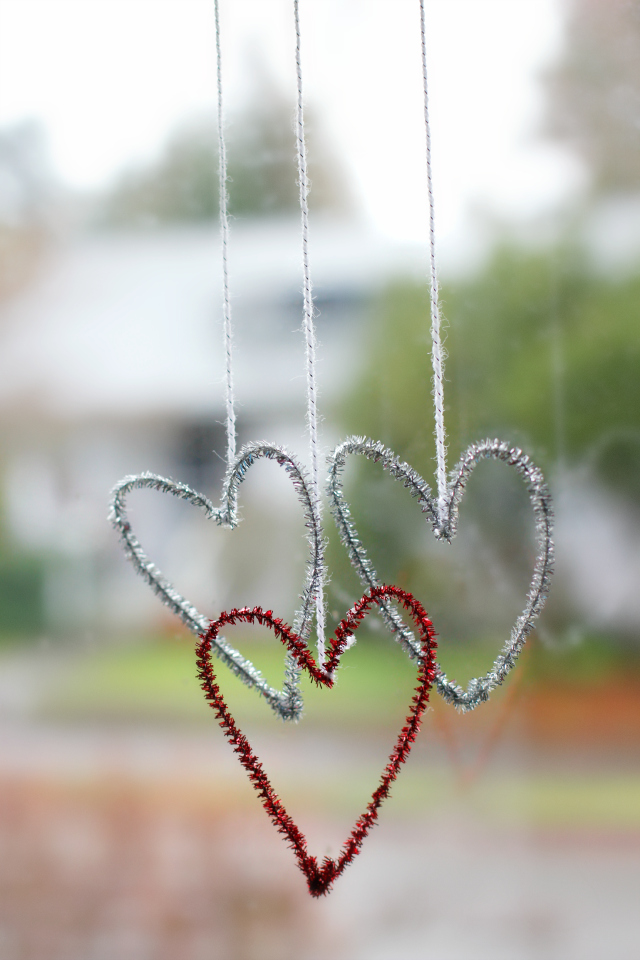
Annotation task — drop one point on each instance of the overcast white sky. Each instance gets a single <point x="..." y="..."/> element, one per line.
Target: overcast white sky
<point x="110" y="78"/>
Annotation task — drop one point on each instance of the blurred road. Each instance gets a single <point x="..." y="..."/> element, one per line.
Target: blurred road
<point x="146" y="844"/>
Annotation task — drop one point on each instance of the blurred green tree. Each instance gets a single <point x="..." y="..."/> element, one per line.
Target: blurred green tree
<point x="182" y="186"/>
<point x="593" y="92"/>
<point x="543" y="352"/>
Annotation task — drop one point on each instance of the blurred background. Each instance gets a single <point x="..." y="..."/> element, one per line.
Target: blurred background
<point x="127" y="828"/>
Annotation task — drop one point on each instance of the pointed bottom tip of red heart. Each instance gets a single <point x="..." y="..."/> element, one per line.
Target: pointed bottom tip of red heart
<point x="319" y="890"/>
<point x="320" y="880"/>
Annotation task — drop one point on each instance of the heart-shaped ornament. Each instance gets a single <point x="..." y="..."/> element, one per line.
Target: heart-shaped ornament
<point x="320" y="877"/>
<point x="445" y="528"/>
<point x="286" y="702"/>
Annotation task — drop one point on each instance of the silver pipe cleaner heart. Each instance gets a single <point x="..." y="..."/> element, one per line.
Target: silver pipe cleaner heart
<point x="287" y="702"/>
<point x="442" y="511"/>
<point x="444" y="527"/>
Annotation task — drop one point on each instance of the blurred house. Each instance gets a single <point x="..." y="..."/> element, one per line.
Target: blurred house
<point x="111" y="363"/>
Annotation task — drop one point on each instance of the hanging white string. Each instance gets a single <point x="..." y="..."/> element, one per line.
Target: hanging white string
<point x="224" y="237"/>
<point x="437" y="351"/>
<point x="308" y="324"/>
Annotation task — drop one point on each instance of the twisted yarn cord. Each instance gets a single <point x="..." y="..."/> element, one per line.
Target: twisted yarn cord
<point x="308" y="324"/>
<point x="224" y="237"/>
<point x="437" y="352"/>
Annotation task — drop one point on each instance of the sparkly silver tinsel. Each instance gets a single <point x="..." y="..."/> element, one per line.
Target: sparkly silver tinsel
<point x="445" y="528"/>
<point x="287" y="702"/>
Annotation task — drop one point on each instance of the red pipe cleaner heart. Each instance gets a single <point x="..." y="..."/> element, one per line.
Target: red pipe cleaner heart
<point x="321" y="877"/>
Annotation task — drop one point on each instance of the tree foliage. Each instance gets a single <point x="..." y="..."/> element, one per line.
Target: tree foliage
<point x="182" y="186"/>
<point x="543" y="352"/>
<point x="593" y="94"/>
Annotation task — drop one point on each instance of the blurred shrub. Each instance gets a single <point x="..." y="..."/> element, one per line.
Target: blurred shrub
<point x="21" y="596"/>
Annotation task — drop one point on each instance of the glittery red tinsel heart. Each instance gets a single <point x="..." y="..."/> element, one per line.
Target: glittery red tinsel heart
<point x="321" y="877"/>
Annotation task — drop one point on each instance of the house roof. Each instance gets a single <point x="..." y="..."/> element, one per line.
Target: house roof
<point x="129" y="324"/>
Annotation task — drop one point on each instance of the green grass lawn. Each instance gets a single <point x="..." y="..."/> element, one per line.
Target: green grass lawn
<point x="154" y="681"/>
<point x="157" y="680"/>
